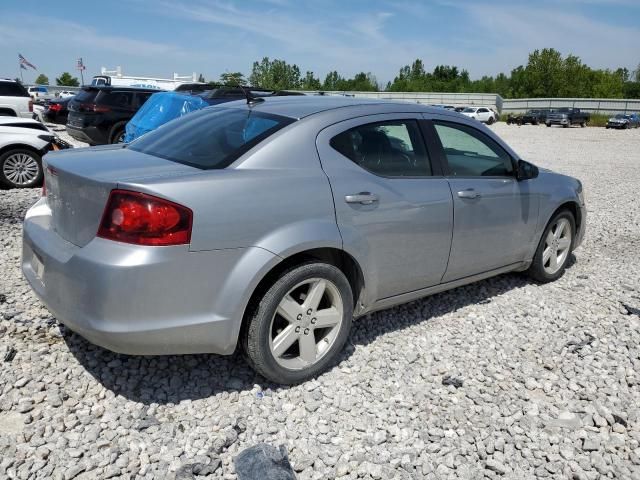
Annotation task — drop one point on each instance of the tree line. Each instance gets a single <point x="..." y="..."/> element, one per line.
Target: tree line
<point x="546" y="74"/>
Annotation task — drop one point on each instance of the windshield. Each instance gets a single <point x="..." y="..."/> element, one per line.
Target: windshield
<point x="564" y="109"/>
<point x="621" y="116"/>
<point x="469" y="110"/>
<point x="210" y="138"/>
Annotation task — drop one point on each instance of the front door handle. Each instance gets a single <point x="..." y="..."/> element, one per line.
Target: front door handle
<point x="364" y="198"/>
<point x="468" y="193"/>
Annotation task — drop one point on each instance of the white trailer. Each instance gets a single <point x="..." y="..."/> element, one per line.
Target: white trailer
<point x="116" y="78"/>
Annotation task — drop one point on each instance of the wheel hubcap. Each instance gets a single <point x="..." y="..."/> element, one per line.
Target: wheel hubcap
<point x="306" y="324"/>
<point x="556" y="246"/>
<point x="20" y="168"/>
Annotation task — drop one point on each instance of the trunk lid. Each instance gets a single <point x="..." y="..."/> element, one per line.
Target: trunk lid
<point x="79" y="181"/>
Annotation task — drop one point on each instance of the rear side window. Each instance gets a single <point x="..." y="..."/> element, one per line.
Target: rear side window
<point x="210" y="138"/>
<point x="142" y="97"/>
<point x="12" y="89"/>
<point x="390" y="149"/>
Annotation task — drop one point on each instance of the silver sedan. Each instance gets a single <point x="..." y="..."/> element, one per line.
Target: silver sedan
<point x="270" y="224"/>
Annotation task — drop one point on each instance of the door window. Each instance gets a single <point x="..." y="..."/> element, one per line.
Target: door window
<point x="470" y="153"/>
<point x="392" y="149"/>
<point x="483" y="110"/>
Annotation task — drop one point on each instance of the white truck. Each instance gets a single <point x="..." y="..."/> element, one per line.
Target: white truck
<point x="116" y="78"/>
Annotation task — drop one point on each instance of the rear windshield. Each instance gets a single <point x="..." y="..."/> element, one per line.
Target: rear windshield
<point x="115" y="98"/>
<point x="86" y="95"/>
<point x="12" y="89"/>
<point x="211" y="138"/>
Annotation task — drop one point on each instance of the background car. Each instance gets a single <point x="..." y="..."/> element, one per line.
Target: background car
<point x="40" y="94"/>
<point x="624" y="121"/>
<point x="269" y="225"/>
<point x="482" y="114"/>
<point x="533" y="117"/>
<point x="23" y="142"/>
<point x="66" y="94"/>
<point x="98" y="115"/>
<point x="57" y="111"/>
<point x="165" y="106"/>
<point x="15" y="101"/>
<point x="567" y="116"/>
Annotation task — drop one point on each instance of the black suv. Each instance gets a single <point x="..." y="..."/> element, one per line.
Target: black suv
<point x="98" y="115"/>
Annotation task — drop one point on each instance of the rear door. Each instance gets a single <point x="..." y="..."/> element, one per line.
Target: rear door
<point x="393" y="206"/>
<point x="495" y="214"/>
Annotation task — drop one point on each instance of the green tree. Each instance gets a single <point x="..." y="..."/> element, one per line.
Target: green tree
<point x="232" y="78"/>
<point x="67" y="80"/>
<point x="42" y="79"/>
<point x="276" y="74"/>
<point x="310" y="82"/>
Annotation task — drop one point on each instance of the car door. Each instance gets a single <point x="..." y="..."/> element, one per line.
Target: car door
<point x="483" y="114"/>
<point x="495" y="215"/>
<point x="393" y="206"/>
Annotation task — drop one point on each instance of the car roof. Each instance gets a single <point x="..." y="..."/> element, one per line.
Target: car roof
<point x="303" y="106"/>
<point x="15" y="120"/>
<point x="120" y="88"/>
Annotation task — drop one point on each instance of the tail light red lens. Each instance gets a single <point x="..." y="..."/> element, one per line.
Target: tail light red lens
<point x="141" y="219"/>
<point x="31" y="105"/>
<point x="55" y="107"/>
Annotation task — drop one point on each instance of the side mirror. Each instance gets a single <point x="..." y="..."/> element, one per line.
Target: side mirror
<point x="526" y="171"/>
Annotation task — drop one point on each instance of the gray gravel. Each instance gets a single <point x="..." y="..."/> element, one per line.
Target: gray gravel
<point x="542" y="381"/>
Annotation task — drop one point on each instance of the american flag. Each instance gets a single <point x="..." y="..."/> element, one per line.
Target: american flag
<point x="24" y="61"/>
<point x="80" y="65"/>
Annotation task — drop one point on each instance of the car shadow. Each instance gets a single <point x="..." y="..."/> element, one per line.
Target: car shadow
<point x="172" y="378"/>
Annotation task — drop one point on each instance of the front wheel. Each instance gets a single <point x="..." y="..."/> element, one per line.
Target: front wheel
<point x="299" y="326"/>
<point x="20" y="168"/>
<point x="552" y="254"/>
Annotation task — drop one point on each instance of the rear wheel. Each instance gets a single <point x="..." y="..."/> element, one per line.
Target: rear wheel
<point x="20" y="168"/>
<point x="490" y="121"/>
<point x="552" y="255"/>
<point x="583" y="124"/>
<point x="300" y="324"/>
<point x="117" y="135"/>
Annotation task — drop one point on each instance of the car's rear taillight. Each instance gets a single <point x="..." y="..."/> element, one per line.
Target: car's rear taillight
<point x="143" y="219"/>
<point x="31" y="105"/>
<point x="55" y="107"/>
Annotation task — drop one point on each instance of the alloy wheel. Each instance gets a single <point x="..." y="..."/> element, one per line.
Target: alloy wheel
<point x="306" y="323"/>
<point x="21" y="169"/>
<point x="557" y="246"/>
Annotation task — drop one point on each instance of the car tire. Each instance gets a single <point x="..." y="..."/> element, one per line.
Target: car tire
<point x="548" y="124"/>
<point x="20" y="168"/>
<point x="117" y="134"/>
<point x="490" y="121"/>
<point x="542" y="268"/>
<point x="583" y="124"/>
<point x="278" y="355"/>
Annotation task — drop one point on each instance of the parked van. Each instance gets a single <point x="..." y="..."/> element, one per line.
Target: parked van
<point x="115" y="78"/>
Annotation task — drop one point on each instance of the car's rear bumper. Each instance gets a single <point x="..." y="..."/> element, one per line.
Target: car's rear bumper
<point x="92" y="135"/>
<point x="140" y="300"/>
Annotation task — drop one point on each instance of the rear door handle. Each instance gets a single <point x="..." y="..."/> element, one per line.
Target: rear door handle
<point x="468" y="193"/>
<point x="364" y="198"/>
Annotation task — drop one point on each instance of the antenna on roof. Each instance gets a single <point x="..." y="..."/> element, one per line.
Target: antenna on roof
<point x="251" y="100"/>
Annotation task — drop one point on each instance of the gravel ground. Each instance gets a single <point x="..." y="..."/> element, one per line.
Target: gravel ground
<point x="500" y="379"/>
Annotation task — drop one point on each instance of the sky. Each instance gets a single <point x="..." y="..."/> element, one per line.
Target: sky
<point x="156" y="38"/>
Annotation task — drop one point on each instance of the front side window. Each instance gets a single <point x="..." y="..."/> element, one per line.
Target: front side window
<point x="210" y="138"/>
<point x="391" y="149"/>
<point x="470" y="153"/>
